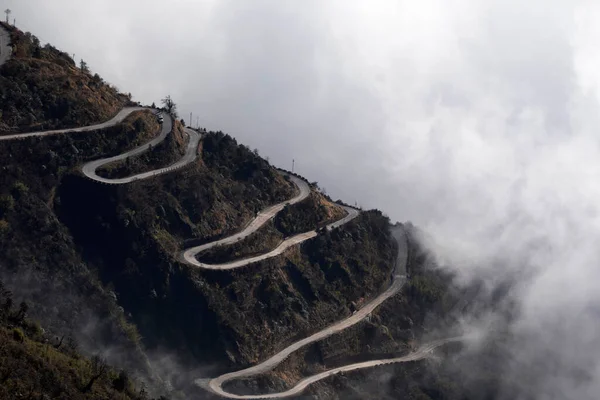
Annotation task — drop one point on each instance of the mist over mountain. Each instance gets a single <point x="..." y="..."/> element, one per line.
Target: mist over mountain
<point x="475" y="120"/>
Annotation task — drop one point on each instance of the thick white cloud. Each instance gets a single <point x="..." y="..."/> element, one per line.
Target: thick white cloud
<point x="478" y="120"/>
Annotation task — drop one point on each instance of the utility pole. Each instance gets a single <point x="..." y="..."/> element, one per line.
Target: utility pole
<point x="7" y="11"/>
<point x="293" y="162"/>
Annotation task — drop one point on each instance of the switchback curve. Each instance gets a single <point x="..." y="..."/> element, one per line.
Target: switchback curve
<point x="189" y="255"/>
<point x="286" y="244"/>
<point x="420" y="354"/>
<point x="190" y="155"/>
<point x="89" y="170"/>
<point x="261" y="218"/>
<point x="215" y="385"/>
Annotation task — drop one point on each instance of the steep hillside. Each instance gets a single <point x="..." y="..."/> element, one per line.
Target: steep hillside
<point x="42" y="88"/>
<point x="38" y="258"/>
<point x="393" y="329"/>
<point x="164" y="154"/>
<point x="312" y="213"/>
<point x="34" y="364"/>
<point x="193" y="313"/>
<point x="145" y="225"/>
<point x="103" y="263"/>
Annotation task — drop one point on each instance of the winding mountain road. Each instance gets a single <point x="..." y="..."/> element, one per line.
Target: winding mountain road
<point x="424" y="352"/>
<point x="190" y="155"/>
<point x="189" y="255"/>
<point x="5" y="49"/>
<point x="420" y="354"/>
<point x="263" y="216"/>
<point x="216" y="384"/>
<point x="117" y="119"/>
<point x="89" y="169"/>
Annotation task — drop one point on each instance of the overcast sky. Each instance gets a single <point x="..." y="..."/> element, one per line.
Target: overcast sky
<point x="386" y="103"/>
<point x="478" y="120"/>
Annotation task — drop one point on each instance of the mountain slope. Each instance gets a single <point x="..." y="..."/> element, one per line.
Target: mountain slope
<point x="36" y="365"/>
<point x="41" y="88"/>
<point x="102" y="263"/>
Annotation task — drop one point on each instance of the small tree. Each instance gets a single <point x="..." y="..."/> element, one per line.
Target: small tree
<point x="23" y="308"/>
<point x="83" y="66"/>
<point x="121" y="383"/>
<point x="18" y="335"/>
<point x="72" y="344"/>
<point x="170" y="105"/>
<point x="99" y="368"/>
<point x="7" y="306"/>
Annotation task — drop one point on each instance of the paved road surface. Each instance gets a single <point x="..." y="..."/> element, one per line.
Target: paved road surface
<point x="5" y="49"/>
<point x="216" y="384"/>
<point x="117" y="119"/>
<point x="422" y="353"/>
<point x="189" y="255"/>
<point x="90" y="168"/>
<point x="190" y="155"/>
<point x="286" y="244"/>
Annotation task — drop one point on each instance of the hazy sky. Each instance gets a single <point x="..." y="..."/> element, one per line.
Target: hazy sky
<point x="386" y="102"/>
<point x="478" y="120"/>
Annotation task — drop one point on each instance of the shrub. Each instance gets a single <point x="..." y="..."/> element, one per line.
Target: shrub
<point x="18" y="335"/>
<point x="121" y="383"/>
<point x="4" y="228"/>
<point x="20" y="189"/>
<point x="7" y="203"/>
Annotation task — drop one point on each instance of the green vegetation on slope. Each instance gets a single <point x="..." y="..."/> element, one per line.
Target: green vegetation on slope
<point x="261" y="241"/>
<point x="35" y="365"/>
<point x="145" y="224"/>
<point x="423" y="308"/>
<point x="265" y="306"/>
<point x="37" y="251"/>
<point x="393" y="329"/>
<point x="41" y="88"/>
<point x="101" y="262"/>
<point x="310" y="214"/>
<point x="233" y="317"/>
